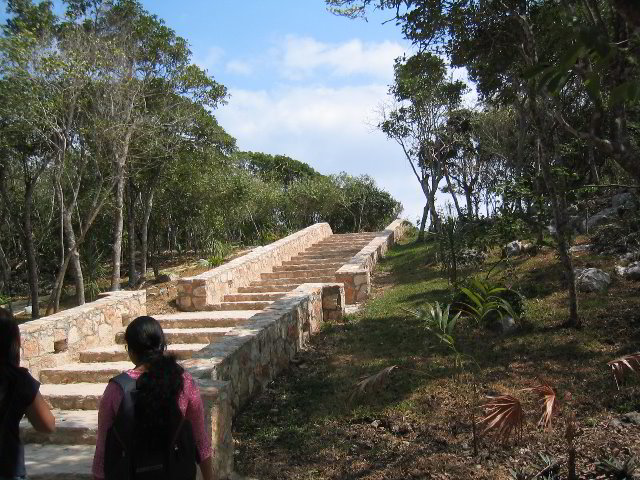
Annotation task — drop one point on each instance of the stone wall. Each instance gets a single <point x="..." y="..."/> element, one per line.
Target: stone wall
<point x="356" y="273"/>
<point x="57" y="339"/>
<point x="207" y="289"/>
<point x="216" y="400"/>
<point x="254" y="354"/>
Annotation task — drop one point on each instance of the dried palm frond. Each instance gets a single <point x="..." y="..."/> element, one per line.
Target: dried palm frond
<point x="371" y="383"/>
<point x="503" y="414"/>
<point x="621" y="365"/>
<point x="548" y="395"/>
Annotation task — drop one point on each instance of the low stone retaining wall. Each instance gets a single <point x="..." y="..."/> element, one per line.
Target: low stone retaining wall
<point x="254" y="354"/>
<point x="207" y="289"/>
<point x="218" y="415"/>
<point x="356" y="273"/>
<point x="58" y="339"/>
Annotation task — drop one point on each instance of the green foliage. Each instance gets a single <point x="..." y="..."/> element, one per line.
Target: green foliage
<point x="618" y="469"/>
<point x="94" y="269"/>
<point x="484" y="303"/>
<point x="219" y="251"/>
<point x="440" y="322"/>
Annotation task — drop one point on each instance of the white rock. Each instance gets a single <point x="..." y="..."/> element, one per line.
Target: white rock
<point x="620" y="270"/>
<point x="506" y="324"/>
<point x="580" y="248"/>
<point x="513" y="248"/>
<point x="607" y="215"/>
<point x="632" y="272"/>
<point x="592" y="280"/>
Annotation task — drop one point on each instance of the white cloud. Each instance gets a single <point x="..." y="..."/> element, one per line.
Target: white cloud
<point x="209" y="61"/>
<point x="239" y="67"/>
<point x="329" y="128"/>
<point x="302" y="57"/>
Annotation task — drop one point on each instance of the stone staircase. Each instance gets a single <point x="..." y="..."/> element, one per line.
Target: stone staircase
<point x="74" y="390"/>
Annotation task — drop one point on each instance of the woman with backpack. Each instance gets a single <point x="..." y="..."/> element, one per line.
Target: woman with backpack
<point x="19" y="395"/>
<point x="151" y="418"/>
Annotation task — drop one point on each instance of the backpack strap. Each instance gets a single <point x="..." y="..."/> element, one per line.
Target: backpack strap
<point x="123" y="424"/>
<point x="128" y="385"/>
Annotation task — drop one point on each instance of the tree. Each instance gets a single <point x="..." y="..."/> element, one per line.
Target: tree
<point x="425" y="100"/>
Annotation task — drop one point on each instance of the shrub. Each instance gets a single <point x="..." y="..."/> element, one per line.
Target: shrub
<point x="486" y="303"/>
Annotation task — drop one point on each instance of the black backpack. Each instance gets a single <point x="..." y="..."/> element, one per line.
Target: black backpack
<point x="128" y="459"/>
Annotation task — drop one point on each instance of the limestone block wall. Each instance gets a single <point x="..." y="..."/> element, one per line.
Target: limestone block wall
<point x="254" y="354"/>
<point x="58" y="339"/>
<point x="207" y="289"/>
<point x="216" y="400"/>
<point x="356" y="273"/>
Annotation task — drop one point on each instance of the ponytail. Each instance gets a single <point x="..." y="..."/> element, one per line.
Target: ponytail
<point x="156" y="405"/>
<point x="158" y="388"/>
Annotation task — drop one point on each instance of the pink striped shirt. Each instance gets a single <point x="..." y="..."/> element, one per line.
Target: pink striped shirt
<point x="190" y="404"/>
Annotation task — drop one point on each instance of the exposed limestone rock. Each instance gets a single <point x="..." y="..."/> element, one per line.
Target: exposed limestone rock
<point x="592" y="280"/>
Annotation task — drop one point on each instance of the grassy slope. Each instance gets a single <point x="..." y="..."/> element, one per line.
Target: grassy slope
<point x="419" y="424"/>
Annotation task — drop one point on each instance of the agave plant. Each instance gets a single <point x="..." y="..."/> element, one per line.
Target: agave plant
<point x="620" y="366"/>
<point x="618" y="469"/>
<point x="439" y="322"/>
<point x="484" y="300"/>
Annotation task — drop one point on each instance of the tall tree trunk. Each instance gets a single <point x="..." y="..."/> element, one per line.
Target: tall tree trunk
<point x="423" y="222"/>
<point x="30" y="250"/>
<point x="453" y="195"/>
<point x="6" y="275"/>
<point x="144" y="232"/>
<point x="468" y="194"/>
<point x="72" y="251"/>
<point x="117" y="228"/>
<point x="558" y="204"/>
<point x="131" y="233"/>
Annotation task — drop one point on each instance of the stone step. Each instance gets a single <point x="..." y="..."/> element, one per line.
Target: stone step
<point x="228" y="306"/>
<point x="204" y="319"/>
<point x="254" y="296"/>
<point x="332" y="249"/>
<point x="299" y="273"/>
<point x="343" y="244"/>
<point x="73" y="427"/>
<point x="188" y="335"/>
<point x="301" y="267"/>
<point x="268" y="288"/>
<point x="59" y="462"/>
<point x="117" y="353"/>
<point x="73" y="396"/>
<point x="296" y="282"/>
<point x="84" y="372"/>
<point x="324" y="256"/>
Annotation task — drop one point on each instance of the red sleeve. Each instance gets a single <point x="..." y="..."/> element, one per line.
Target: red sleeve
<point x="195" y="414"/>
<point x="106" y="416"/>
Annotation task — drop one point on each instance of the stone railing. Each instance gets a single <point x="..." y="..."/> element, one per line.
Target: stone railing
<point x="254" y="354"/>
<point x="209" y="288"/>
<point x="356" y="273"/>
<point x="58" y="339"/>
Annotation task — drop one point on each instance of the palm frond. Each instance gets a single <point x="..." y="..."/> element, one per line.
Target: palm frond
<point x="548" y="395"/>
<point x="372" y="383"/>
<point x="620" y="366"/>
<point x="503" y="414"/>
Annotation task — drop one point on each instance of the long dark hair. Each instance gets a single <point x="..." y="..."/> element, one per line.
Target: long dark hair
<point x="158" y="388"/>
<point x="9" y="350"/>
<point x="9" y="340"/>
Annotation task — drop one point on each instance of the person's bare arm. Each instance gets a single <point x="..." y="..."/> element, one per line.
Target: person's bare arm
<point x="40" y="416"/>
<point x="206" y="467"/>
